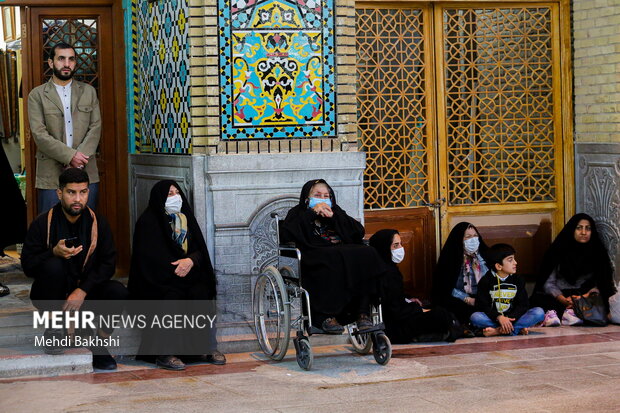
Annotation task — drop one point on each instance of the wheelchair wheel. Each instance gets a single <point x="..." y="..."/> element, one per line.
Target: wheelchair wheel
<point x="361" y="342"/>
<point x="304" y="354"/>
<point x="382" y="349"/>
<point x="272" y="318"/>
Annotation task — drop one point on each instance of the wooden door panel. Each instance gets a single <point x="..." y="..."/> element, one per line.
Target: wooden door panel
<point x="417" y="230"/>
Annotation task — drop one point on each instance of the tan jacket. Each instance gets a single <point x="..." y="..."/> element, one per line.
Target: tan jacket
<point x="47" y="126"/>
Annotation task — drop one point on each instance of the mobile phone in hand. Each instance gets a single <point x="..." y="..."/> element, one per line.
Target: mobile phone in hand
<point x="72" y="242"/>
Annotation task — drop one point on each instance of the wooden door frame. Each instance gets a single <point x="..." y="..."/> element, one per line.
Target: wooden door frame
<point x="121" y="220"/>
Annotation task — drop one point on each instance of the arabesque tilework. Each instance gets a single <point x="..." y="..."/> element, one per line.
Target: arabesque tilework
<point x="161" y="77"/>
<point x="277" y="72"/>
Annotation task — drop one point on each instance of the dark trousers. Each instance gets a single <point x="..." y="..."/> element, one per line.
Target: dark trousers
<point x="52" y="285"/>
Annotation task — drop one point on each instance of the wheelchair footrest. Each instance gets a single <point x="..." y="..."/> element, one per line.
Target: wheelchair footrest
<point x="378" y="327"/>
<point x="315" y="330"/>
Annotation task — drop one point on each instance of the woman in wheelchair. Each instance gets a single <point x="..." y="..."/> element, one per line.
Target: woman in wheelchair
<point x="405" y="319"/>
<point x="340" y="274"/>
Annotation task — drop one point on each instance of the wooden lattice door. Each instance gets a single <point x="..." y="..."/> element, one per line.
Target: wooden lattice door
<point x="395" y="112"/>
<point x="463" y="111"/>
<point x="500" y="124"/>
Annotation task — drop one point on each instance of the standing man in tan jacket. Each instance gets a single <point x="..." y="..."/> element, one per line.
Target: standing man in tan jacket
<point x="65" y="123"/>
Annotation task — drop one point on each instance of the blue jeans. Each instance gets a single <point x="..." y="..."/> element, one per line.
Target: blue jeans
<point x="48" y="198"/>
<point x="532" y="317"/>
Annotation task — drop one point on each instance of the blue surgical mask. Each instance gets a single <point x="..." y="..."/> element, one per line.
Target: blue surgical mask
<point x="312" y="202"/>
<point x="471" y="245"/>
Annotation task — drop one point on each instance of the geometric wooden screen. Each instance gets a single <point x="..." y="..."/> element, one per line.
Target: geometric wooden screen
<point x="499" y="105"/>
<point x="392" y="106"/>
<point x="82" y="34"/>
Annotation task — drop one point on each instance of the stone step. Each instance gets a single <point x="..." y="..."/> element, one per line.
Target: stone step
<point x="229" y="341"/>
<point x="19" y="357"/>
<point x="25" y="360"/>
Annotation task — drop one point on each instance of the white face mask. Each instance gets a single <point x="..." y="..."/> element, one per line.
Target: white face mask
<point x="398" y="255"/>
<point x="471" y="245"/>
<point x="174" y="204"/>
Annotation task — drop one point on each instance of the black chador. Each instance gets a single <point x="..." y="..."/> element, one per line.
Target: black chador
<point x="340" y="277"/>
<point x="573" y="261"/>
<point x="12" y="207"/>
<point x="152" y="274"/>
<point x="406" y="321"/>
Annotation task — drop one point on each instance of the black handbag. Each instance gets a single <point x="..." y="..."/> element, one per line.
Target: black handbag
<point x="590" y="309"/>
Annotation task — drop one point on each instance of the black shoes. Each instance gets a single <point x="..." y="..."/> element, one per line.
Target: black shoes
<point x="4" y="290"/>
<point x="169" y="363"/>
<point x="331" y="326"/>
<point x="53" y="341"/>
<point x="364" y="322"/>
<point x="102" y="360"/>
<point x="216" y="358"/>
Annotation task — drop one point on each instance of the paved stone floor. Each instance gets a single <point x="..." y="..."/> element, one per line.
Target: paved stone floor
<point x="565" y="369"/>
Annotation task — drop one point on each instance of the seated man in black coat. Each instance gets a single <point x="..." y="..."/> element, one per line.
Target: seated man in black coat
<point x="70" y="253"/>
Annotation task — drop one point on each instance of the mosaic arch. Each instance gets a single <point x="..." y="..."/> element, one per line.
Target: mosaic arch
<point x="277" y="71"/>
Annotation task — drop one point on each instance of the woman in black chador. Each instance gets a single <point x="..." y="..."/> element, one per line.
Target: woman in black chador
<point x="575" y="264"/>
<point x="405" y="319"/>
<point x="170" y="261"/>
<point x="339" y="272"/>
<point x="13" y="209"/>
<point x="461" y="265"/>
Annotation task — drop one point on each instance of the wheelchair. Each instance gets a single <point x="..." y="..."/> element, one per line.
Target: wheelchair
<point x="276" y="291"/>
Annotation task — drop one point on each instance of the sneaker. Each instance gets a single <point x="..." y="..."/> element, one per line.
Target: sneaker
<point x="364" y="322"/>
<point x="551" y="319"/>
<point x="331" y="326"/>
<point x="570" y="319"/>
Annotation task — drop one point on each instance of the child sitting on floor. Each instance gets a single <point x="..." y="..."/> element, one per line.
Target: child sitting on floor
<point x="501" y="299"/>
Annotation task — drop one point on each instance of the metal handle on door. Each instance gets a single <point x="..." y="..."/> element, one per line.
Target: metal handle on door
<point x="436" y="204"/>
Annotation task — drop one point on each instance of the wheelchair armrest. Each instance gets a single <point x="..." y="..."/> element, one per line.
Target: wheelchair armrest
<point x="289" y="250"/>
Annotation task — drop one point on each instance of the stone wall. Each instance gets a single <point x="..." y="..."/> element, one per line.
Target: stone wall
<point x="596" y="58"/>
<point x="598" y="192"/>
